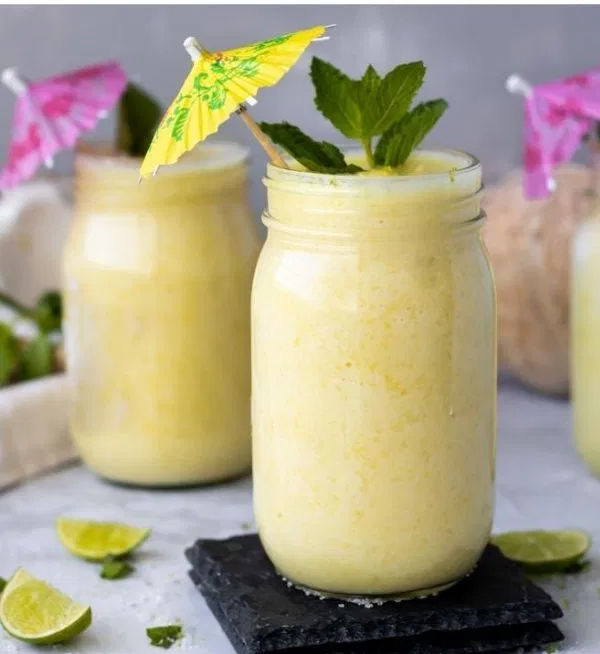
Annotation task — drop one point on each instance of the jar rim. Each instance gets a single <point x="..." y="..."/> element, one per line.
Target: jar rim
<point x="211" y="157"/>
<point x="466" y="168"/>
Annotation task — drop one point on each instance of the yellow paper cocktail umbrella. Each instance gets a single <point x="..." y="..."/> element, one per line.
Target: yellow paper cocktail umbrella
<point x="219" y="85"/>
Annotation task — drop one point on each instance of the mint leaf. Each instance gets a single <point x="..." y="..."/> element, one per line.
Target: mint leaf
<point x="362" y="109"/>
<point x="113" y="568"/>
<point x="399" y="140"/>
<point x="3" y="583"/>
<point x="338" y="98"/>
<point x="10" y="353"/>
<point x="36" y="358"/>
<point x="370" y="82"/>
<point x="394" y="96"/>
<point x="139" y="115"/>
<point x="47" y="313"/>
<point x="316" y="156"/>
<point x="165" y="636"/>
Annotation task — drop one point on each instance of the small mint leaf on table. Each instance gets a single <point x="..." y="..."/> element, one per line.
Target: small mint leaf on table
<point x="316" y="156"/>
<point x="398" y="141"/>
<point x="36" y="358"/>
<point x="165" y="636"/>
<point x="113" y="568"/>
<point x="139" y="116"/>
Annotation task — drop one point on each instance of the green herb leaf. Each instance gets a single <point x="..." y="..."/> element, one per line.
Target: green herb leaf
<point x="338" y="98"/>
<point x="166" y="636"/>
<point x="3" y="583"/>
<point x="397" y="143"/>
<point x="139" y="115"/>
<point x="393" y="98"/>
<point x="47" y="313"/>
<point x="370" y="82"/>
<point x="362" y="109"/>
<point x="113" y="568"/>
<point x="317" y="156"/>
<point x="10" y="353"/>
<point x="36" y="358"/>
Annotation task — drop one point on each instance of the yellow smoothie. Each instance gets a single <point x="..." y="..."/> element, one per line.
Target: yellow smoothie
<point x="374" y="378"/>
<point x="157" y="280"/>
<point x="585" y="342"/>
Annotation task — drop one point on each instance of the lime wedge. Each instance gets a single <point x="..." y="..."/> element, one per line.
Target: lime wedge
<point x="544" y="550"/>
<point x="94" y="541"/>
<point x="33" y="611"/>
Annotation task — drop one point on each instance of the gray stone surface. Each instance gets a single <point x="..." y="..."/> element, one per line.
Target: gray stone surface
<point x="541" y="483"/>
<point x="469" y="51"/>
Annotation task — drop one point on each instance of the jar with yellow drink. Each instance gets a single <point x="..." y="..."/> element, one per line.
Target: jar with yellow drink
<point x="585" y="325"/>
<point x="374" y="377"/>
<point x="157" y="281"/>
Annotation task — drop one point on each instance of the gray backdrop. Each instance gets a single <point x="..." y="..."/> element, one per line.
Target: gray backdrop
<point x="469" y="52"/>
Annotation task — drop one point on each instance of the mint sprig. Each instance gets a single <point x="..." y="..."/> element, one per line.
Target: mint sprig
<point x="165" y="636"/>
<point x="363" y="109"/>
<point x="26" y="359"/>
<point x="113" y="568"/>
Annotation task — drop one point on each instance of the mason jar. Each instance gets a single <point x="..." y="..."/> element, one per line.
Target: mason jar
<point x="157" y="279"/>
<point x="374" y="378"/>
<point x="585" y="338"/>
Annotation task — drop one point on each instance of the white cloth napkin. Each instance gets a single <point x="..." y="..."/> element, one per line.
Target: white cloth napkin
<point x="34" y="435"/>
<point x="34" y="222"/>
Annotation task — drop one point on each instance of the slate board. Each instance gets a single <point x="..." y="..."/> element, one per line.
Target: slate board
<point x="496" y="609"/>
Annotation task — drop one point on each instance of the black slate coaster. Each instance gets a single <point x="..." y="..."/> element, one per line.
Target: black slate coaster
<point x="496" y="609"/>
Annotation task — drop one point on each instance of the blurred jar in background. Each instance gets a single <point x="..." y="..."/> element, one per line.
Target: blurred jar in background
<point x="585" y="328"/>
<point x="157" y="280"/>
<point x="529" y="243"/>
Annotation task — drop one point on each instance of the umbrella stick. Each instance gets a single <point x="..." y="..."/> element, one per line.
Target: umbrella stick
<point x="261" y="137"/>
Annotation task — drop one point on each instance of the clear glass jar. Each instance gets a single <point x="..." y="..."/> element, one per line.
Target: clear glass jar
<point x="157" y="280"/>
<point x="374" y="378"/>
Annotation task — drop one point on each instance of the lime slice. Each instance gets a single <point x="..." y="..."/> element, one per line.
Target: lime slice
<point x="94" y="541"/>
<point x="33" y="611"/>
<point x="544" y="550"/>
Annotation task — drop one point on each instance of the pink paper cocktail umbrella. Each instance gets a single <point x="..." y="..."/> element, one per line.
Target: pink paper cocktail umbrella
<point x="51" y="114"/>
<point x="557" y="116"/>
